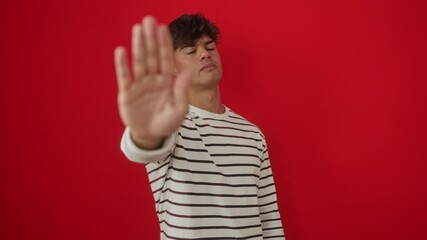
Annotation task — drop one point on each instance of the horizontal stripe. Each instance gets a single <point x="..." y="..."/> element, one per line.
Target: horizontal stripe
<point x="213" y="173"/>
<point x="238" y="165"/>
<point x="266" y="195"/>
<point x="159" y="167"/>
<point x="191" y="149"/>
<point x="208" y="216"/>
<point x="276" y="236"/>
<point x="209" y="194"/>
<point x="209" y="227"/>
<point x="268" y="185"/>
<point x="266" y="204"/>
<point x="272" y="228"/>
<point x="264" y="177"/>
<point x="231" y="145"/>
<point x="234" y="155"/>
<point x="270" y="220"/>
<point x="212" y="238"/>
<point x="189" y="138"/>
<point x="157" y="179"/>
<point x="273" y="211"/>
<point x="265" y="168"/>
<point x="189" y="128"/>
<point x="210" y="183"/>
<point x="228" y="136"/>
<point x="222" y="120"/>
<point x="235" y="117"/>
<point x="206" y="205"/>
<point x="192" y="160"/>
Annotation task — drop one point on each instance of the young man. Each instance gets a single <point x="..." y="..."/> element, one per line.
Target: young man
<point x="208" y="167"/>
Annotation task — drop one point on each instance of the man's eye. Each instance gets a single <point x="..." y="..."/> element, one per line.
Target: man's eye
<point x="210" y="48"/>
<point x="191" y="52"/>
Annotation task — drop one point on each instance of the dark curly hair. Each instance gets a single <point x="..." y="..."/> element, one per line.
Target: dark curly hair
<point x="189" y="28"/>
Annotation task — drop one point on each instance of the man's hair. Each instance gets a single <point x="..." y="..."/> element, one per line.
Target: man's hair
<point x="187" y="29"/>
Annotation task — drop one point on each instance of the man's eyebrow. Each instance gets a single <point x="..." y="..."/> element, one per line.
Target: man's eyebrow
<point x="186" y="46"/>
<point x="209" y="42"/>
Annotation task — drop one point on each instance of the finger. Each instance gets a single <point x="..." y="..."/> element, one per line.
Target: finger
<point x="122" y="68"/>
<point x="180" y="90"/>
<point x="166" y="51"/>
<point x="138" y="52"/>
<point x="150" y="39"/>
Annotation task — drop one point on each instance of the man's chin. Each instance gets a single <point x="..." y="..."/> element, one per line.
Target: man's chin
<point x="206" y="82"/>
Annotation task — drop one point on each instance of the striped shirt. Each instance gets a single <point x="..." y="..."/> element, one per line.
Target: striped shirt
<point x="212" y="179"/>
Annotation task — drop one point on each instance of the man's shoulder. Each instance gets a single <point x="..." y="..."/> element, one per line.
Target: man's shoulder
<point x="237" y="118"/>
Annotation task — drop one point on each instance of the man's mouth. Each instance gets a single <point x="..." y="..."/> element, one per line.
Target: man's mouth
<point x="207" y="66"/>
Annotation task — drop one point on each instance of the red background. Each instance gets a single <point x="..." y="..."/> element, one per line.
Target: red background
<point x="338" y="87"/>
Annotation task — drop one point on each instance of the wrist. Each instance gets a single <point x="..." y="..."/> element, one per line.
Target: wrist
<point x="147" y="142"/>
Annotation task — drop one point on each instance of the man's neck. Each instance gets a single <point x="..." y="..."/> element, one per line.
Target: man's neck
<point x="207" y="99"/>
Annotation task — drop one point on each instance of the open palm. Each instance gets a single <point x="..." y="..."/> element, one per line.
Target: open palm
<point x="153" y="104"/>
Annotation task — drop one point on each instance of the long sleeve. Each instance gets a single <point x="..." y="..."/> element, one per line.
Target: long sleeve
<point x="136" y="154"/>
<point x="270" y="217"/>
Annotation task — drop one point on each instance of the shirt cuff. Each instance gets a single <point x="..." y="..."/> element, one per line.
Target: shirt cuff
<point x="139" y="155"/>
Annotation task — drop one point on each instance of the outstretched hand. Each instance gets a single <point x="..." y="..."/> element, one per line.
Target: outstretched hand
<point x="154" y="102"/>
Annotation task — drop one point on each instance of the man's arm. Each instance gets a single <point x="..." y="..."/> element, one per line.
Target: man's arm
<point x="269" y="212"/>
<point x="152" y="101"/>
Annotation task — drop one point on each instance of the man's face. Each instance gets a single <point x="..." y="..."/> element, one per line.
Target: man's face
<point x="203" y="60"/>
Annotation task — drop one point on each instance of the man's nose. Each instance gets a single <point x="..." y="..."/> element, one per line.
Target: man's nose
<point x="204" y="54"/>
